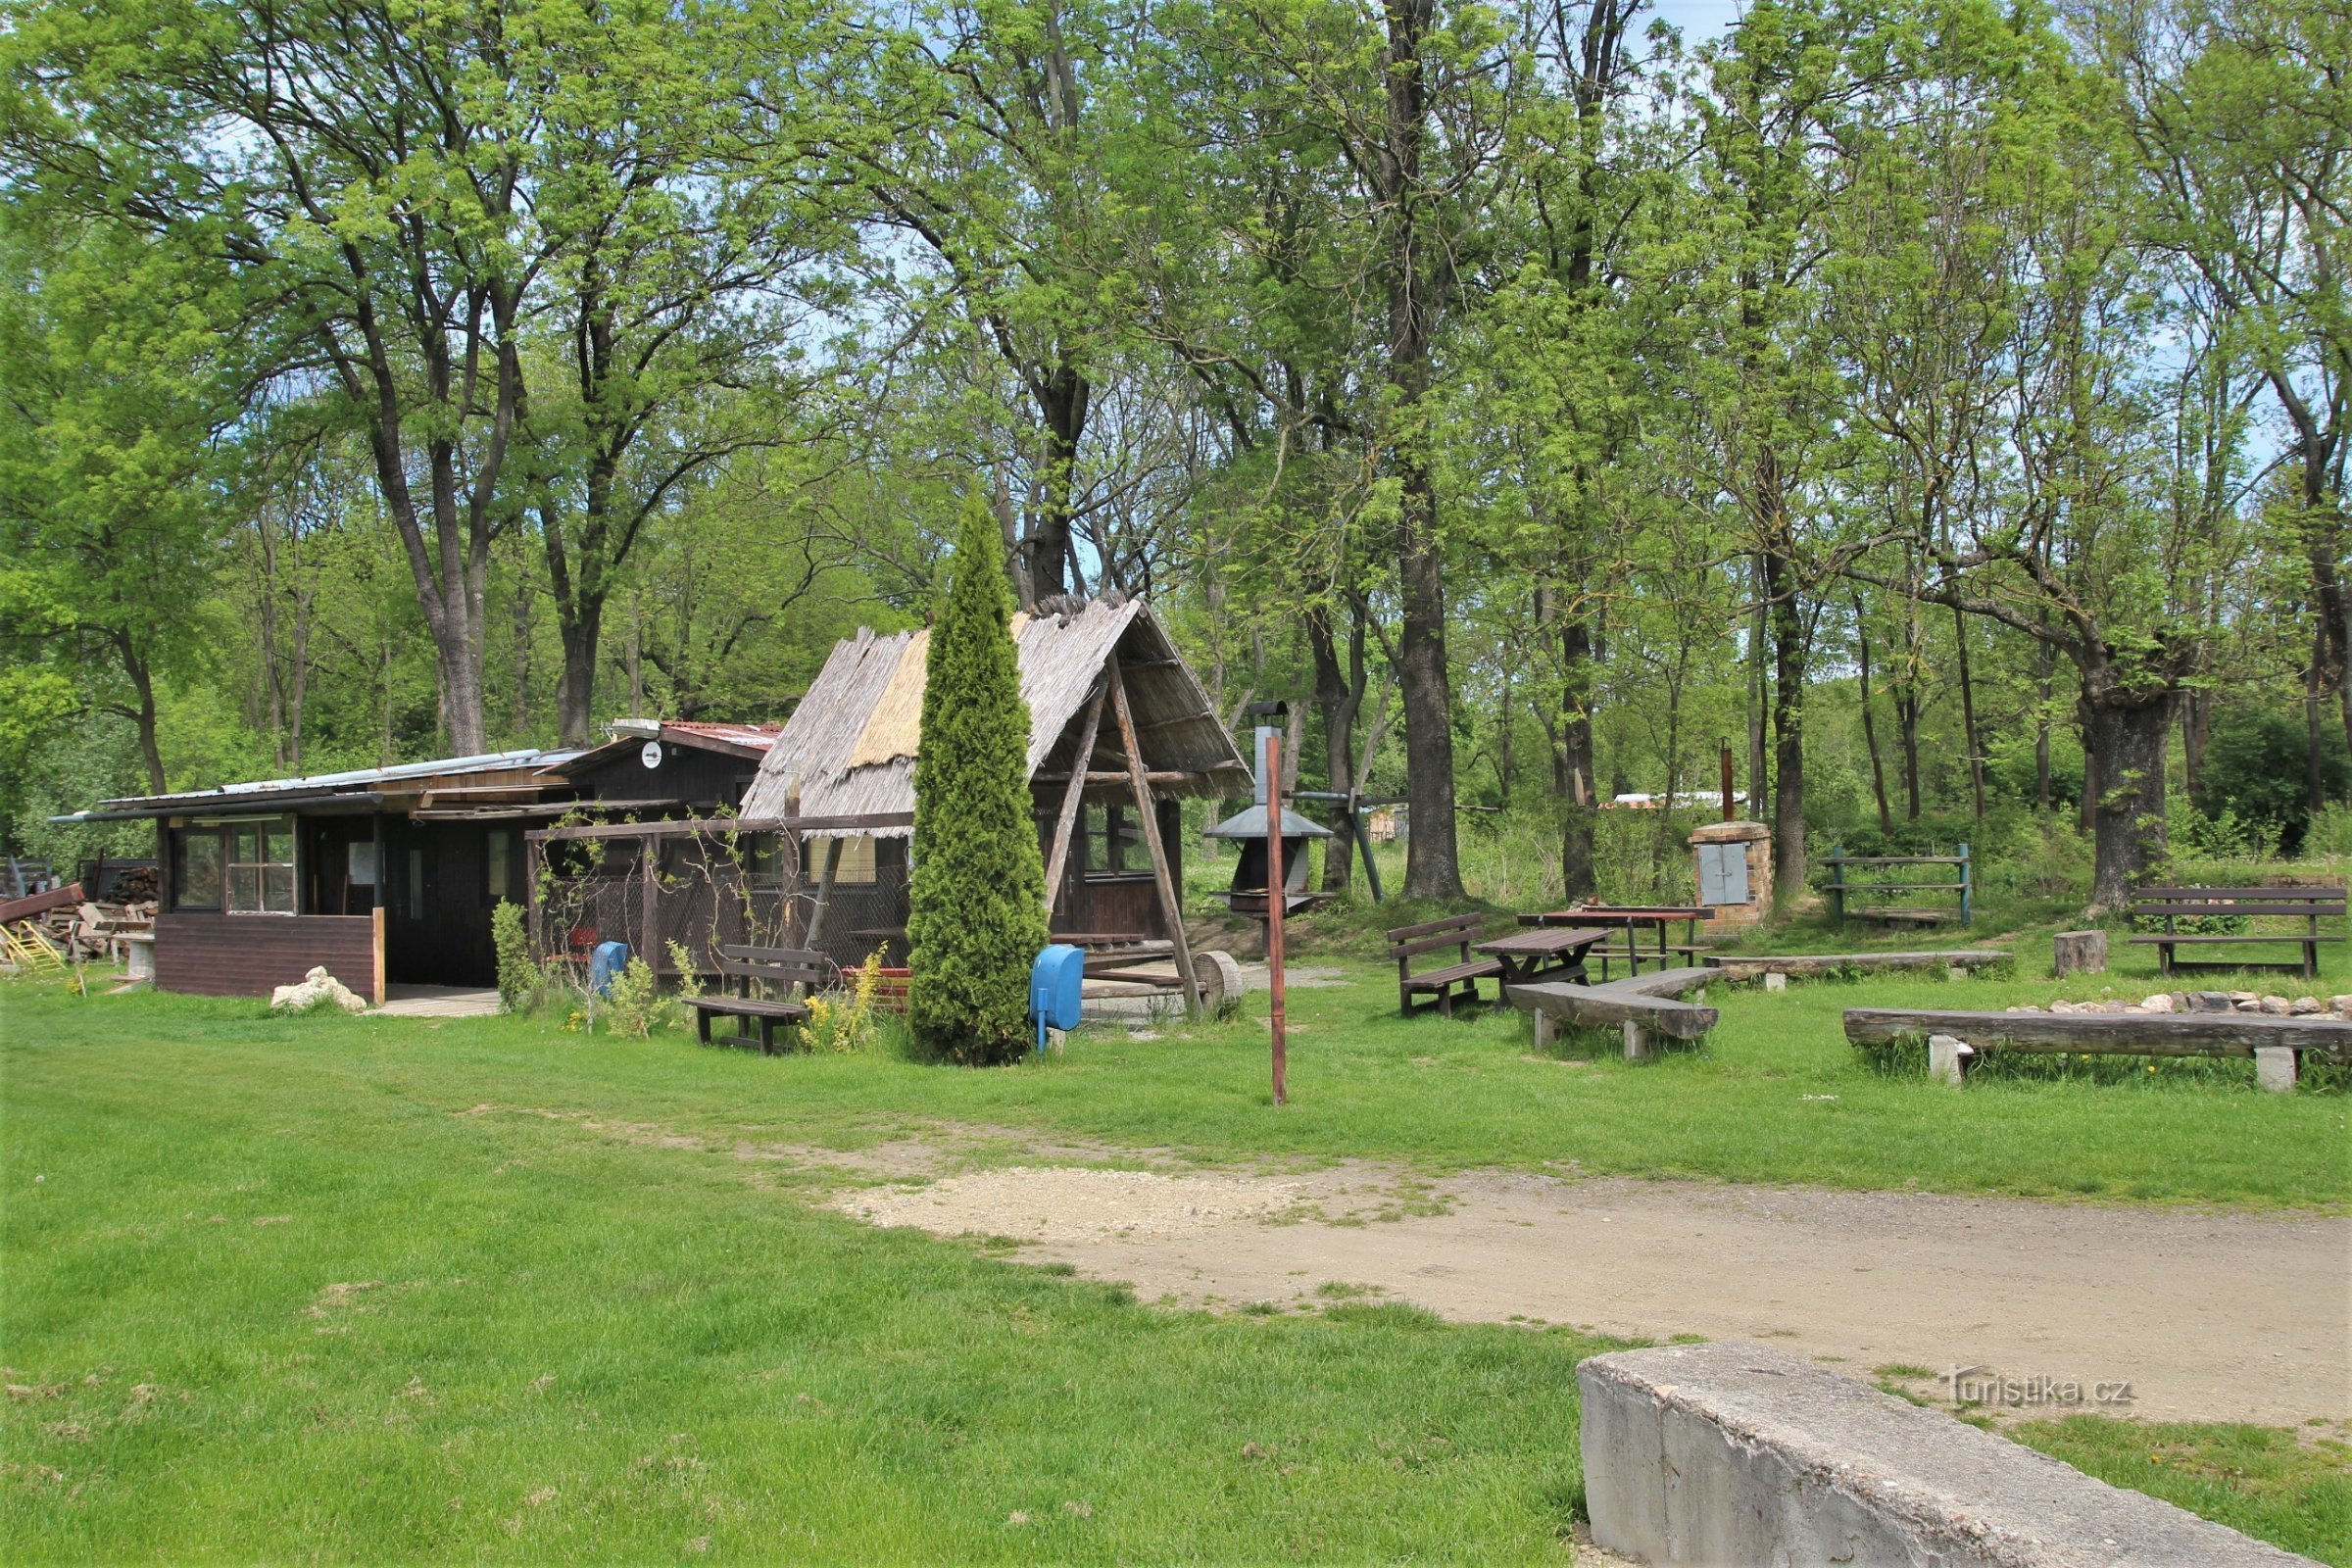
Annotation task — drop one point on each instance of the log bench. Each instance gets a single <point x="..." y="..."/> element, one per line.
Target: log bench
<point x="748" y="968"/>
<point x="1409" y="942"/>
<point x="2174" y="904"/>
<point x="1801" y="965"/>
<point x="1643" y="1006"/>
<point x="1955" y="1039"/>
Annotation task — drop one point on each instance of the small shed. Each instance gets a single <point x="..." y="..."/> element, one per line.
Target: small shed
<point x="1120" y="731"/>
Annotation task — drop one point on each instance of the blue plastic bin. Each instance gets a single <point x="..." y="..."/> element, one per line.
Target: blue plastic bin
<point x="606" y="961"/>
<point x="1056" y="987"/>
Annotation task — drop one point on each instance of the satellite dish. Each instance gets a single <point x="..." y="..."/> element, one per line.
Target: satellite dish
<point x="651" y="756"/>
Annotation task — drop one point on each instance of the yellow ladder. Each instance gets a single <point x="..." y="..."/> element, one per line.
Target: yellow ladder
<point x="27" y="946"/>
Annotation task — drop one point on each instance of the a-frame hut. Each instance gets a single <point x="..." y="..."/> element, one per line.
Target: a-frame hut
<point x="1119" y="731"/>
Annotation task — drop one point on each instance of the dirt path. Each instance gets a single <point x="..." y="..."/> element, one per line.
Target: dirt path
<point x="2205" y="1316"/>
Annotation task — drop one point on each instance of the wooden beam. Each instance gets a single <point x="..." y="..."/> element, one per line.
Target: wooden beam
<point x="1746" y="966"/>
<point x="824" y="892"/>
<point x="1101" y="776"/>
<point x="1160" y="878"/>
<point x="868" y="822"/>
<point x="1067" y="818"/>
<point x="1598" y="1006"/>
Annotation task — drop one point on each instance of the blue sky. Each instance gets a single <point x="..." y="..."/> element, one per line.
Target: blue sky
<point x="1699" y="20"/>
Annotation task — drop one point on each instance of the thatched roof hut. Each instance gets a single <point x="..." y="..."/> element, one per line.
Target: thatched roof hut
<point x="849" y="748"/>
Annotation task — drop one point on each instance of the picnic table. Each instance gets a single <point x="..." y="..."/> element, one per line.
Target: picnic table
<point x="1632" y="920"/>
<point x="1540" y="953"/>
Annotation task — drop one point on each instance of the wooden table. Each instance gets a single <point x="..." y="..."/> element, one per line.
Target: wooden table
<point x="1541" y="952"/>
<point x="1633" y="919"/>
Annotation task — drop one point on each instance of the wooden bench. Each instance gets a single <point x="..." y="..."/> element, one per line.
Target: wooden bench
<point x="749" y="967"/>
<point x="2173" y="905"/>
<point x="2273" y="1043"/>
<point x="1644" y="1005"/>
<point x="1840" y="891"/>
<point x="1409" y="942"/>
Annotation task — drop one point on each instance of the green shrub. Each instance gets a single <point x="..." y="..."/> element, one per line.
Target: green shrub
<point x="518" y="978"/>
<point x="976" y="895"/>
<point x="633" y="1002"/>
<point x="2254" y="769"/>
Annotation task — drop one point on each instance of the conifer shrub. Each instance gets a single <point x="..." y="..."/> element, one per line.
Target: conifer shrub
<point x="976" y="892"/>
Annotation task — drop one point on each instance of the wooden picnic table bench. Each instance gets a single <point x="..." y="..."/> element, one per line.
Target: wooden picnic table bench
<point x="1632" y="919"/>
<point x="1541" y="952"/>
<point x="1409" y="942"/>
<point x="2173" y="905"/>
<point x="748" y="968"/>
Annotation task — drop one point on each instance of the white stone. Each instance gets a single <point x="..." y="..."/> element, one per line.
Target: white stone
<point x="2161" y="1002"/>
<point x="316" y="987"/>
<point x="1636" y="1042"/>
<point x="2305" y="1007"/>
<point x="2277" y="1007"/>
<point x="2274" y="1068"/>
<point x="1773" y="980"/>
<point x="2340" y="1004"/>
<point x="1948" y="1058"/>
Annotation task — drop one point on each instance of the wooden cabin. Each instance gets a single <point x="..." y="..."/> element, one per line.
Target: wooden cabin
<point x="389" y="875"/>
<point x="1120" y="732"/>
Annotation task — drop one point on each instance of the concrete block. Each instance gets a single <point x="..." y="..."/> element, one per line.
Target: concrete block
<point x="1948" y="1058"/>
<point x="1773" y="980"/>
<point x="2274" y="1068"/>
<point x="1734" y="1453"/>
<point x="1636" y="1042"/>
<point x="1544" y="1028"/>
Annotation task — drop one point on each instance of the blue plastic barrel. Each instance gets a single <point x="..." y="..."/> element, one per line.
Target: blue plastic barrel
<point x="1056" y="987"/>
<point x="606" y="963"/>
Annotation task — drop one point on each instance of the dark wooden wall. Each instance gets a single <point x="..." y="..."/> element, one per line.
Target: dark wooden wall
<point x="688" y="775"/>
<point x="252" y="954"/>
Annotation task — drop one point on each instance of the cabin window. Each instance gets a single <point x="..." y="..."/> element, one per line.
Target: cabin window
<point x="501" y="864"/>
<point x="857" y="863"/>
<point x="261" y="867"/>
<point x="196" y="873"/>
<point x="1114" y="841"/>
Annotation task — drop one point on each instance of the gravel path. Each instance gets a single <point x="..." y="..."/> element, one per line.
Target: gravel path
<point x="2203" y="1315"/>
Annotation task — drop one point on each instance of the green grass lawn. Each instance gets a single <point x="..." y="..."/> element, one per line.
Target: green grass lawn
<point x="277" y="1293"/>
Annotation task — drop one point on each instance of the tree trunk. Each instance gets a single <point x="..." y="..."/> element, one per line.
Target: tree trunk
<point x="1759" y="689"/>
<point x="1432" y="864"/>
<point x="1788" y="731"/>
<point x="1967" y="714"/>
<point x="1338" y="698"/>
<point x="579" y="623"/>
<point x="1063" y="398"/>
<point x="2041" y="726"/>
<point x="2314" y="781"/>
<point x="142" y="685"/>
<point x="2128" y="732"/>
<point x="1870" y="727"/>
<point x="1579" y="876"/>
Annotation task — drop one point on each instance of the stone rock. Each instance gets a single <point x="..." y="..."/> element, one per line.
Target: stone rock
<point x="2241" y="998"/>
<point x="2247" y="1007"/>
<point x="2209" y="1002"/>
<point x="316" y="987"/>
<point x="2277" y="1007"/>
<point x="2305" y="1007"/>
<point x="2339" y="1004"/>
<point x="2159" y="1002"/>
<point x="2055" y="1007"/>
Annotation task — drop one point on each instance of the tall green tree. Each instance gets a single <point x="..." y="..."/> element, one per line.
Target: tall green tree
<point x="976" y="917"/>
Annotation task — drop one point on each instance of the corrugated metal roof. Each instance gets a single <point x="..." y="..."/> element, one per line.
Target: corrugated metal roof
<point x="356" y="779"/>
<point x="1060" y="657"/>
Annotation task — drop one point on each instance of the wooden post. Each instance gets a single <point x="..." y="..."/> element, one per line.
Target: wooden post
<point x="824" y="892"/>
<point x="376" y="936"/>
<point x="1277" y="903"/>
<point x="1073" y="793"/>
<point x="648" y="938"/>
<point x="1151" y="825"/>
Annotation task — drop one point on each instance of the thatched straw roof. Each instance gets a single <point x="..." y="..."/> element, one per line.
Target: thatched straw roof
<point x="849" y="748"/>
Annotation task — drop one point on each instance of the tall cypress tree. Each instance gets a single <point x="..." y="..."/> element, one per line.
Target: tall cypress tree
<point x="977" y="903"/>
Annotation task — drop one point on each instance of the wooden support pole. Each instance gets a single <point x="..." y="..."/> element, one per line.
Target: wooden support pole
<point x="1277" y="904"/>
<point x="1072" y="796"/>
<point x="1160" y="877"/>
